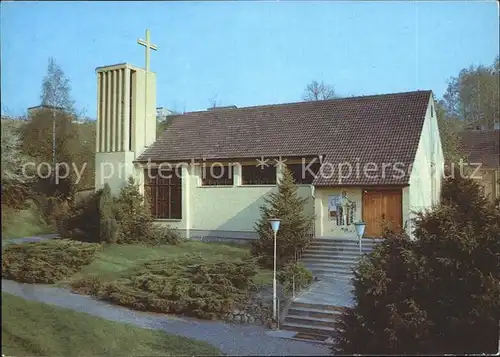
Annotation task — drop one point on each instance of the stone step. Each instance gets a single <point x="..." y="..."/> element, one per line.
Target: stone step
<point x="330" y="268"/>
<point x="337" y="261"/>
<point x="338" y="250"/>
<point x="311" y="321"/>
<point x="366" y="243"/>
<point x="312" y="312"/>
<point x="348" y="240"/>
<point x="319" y="254"/>
<point x="321" y="274"/>
<point x="308" y="305"/>
<point x="309" y="329"/>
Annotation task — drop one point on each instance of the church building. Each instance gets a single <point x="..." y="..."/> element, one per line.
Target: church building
<point x="375" y="159"/>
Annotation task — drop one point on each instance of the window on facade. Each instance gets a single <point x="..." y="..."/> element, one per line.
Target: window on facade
<point x="257" y="175"/>
<point x="216" y="175"/>
<point x="301" y="175"/>
<point x="165" y="193"/>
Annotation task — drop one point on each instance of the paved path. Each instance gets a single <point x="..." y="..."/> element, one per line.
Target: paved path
<point x="334" y="292"/>
<point x="230" y="339"/>
<point x="29" y="239"/>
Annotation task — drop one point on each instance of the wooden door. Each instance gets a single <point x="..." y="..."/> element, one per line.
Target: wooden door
<point x="380" y="205"/>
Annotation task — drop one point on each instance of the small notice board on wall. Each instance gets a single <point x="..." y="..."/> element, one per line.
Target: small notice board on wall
<point x="333" y="202"/>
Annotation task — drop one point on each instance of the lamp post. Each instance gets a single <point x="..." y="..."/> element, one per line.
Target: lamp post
<point x="275" y="225"/>
<point x="360" y="230"/>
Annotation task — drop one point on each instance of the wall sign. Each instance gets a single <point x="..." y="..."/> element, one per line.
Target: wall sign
<point x="333" y="203"/>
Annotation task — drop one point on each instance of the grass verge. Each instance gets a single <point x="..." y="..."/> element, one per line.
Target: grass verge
<point x="115" y="261"/>
<point x="24" y="223"/>
<point x="35" y="329"/>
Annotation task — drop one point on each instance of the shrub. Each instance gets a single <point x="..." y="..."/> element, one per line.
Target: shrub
<point x="434" y="295"/>
<point x="187" y="285"/>
<point x="166" y="235"/>
<point x="108" y="225"/>
<point x="134" y="216"/>
<point x="294" y="233"/>
<point x="47" y="261"/>
<point x="83" y="222"/>
<point x="295" y="272"/>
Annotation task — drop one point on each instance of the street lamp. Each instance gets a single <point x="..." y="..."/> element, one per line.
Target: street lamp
<point x="360" y="230"/>
<point x="275" y="225"/>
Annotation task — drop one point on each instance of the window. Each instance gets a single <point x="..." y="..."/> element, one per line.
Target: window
<point x="301" y="175"/>
<point x="432" y="111"/>
<point x="257" y="175"/>
<point x="217" y="175"/>
<point x="165" y="193"/>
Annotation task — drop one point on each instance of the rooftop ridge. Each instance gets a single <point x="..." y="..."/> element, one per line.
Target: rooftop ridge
<point x="313" y="101"/>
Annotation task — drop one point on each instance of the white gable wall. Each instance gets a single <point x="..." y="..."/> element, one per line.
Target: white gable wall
<point x="428" y="169"/>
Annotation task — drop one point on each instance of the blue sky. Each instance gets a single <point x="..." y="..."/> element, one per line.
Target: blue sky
<point x="245" y="53"/>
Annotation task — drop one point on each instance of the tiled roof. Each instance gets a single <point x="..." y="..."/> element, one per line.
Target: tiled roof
<point x="482" y="147"/>
<point x="379" y="129"/>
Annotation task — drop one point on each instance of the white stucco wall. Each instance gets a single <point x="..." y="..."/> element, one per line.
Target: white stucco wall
<point x="115" y="168"/>
<point x="428" y="168"/>
<point x="224" y="211"/>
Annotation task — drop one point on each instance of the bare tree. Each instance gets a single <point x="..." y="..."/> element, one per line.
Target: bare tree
<point x="56" y="88"/>
<point x="213" y="101"/>
<point x="319" y="91"/>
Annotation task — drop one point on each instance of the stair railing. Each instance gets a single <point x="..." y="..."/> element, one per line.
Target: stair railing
<point x="298" y="257"/>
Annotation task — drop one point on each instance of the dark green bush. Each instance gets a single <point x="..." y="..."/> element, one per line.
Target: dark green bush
<point x="437" y="294"/>
<point x="295" y="272"/>
<point x="189" y="286"/>
<point x="47" y="261"/>
<point x="83" y="220"/>
<point x="295" y="228"/>
<point x="166" y="235"/>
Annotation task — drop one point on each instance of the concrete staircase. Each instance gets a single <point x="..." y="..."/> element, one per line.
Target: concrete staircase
<point x="313" y="314"/>
<point x="334" y="258"/>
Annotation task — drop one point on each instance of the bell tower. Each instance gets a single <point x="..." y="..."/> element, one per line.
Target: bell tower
<point x="126" y="121"/>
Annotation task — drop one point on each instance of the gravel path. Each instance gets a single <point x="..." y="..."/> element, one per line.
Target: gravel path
<point x="230" y="339"/>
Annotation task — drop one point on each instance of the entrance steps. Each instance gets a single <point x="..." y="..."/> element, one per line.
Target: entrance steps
<point x="314" y="314"/>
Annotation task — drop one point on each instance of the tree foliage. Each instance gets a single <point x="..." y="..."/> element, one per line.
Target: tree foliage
<point x="15" y="182"/>
<point x="450" y="129"/>
<point x="437" y="294"/>
<point x="295" y="228"/>
<point x="474" y="95"/>
<point x="319" y="91"/>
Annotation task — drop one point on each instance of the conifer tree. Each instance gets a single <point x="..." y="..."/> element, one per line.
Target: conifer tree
<point x="437" y="294"/>
<point x="295" y="227"/>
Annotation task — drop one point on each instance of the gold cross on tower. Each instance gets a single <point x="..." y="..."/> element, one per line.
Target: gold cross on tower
<point x="149" y="46"/>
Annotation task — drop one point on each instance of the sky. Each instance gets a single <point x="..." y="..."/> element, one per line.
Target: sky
<point x="244" y="53"/>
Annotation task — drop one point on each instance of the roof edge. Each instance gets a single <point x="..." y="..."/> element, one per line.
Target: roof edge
<point x="429" y="91"/>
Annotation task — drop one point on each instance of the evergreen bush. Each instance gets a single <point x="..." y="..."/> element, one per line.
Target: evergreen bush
<point x="134" y="216"/>
<point x="439" y="293"/>
<point x="46" y="261"/>
<point x="294" y="273"/>
<point x="188" y="285"/>
<point x="295" y="227"/>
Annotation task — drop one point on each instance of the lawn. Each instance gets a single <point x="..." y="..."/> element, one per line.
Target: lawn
<point x="117" y="260"/>
<point x="24" y="223"/>
<point x="35" y="329"/>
